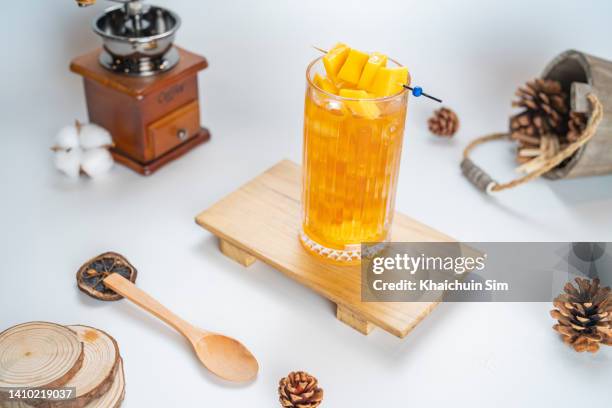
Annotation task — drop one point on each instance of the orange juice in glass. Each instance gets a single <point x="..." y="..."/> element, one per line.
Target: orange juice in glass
<point x="351" y="158"/>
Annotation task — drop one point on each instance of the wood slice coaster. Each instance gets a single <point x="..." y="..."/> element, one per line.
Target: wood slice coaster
<point x="98" y="370"/>
<point x="261" y="220"/>
<point x="39" y="354"/>
<point x="15" y="404"/>
<point x="114" y="396"/>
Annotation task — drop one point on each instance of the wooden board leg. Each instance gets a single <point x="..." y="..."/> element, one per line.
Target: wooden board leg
<point x="356" y="322"/>
<point x="237" y="254"/>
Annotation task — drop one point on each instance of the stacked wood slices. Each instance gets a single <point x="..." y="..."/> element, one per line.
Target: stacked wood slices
<point x="43" y="356"/>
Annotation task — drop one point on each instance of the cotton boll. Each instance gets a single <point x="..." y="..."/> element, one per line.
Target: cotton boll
<point x="93" y="136"/>
<point x="96" y="162"/>
<point x="69" y="161"/>
<point x="67" y="137"/>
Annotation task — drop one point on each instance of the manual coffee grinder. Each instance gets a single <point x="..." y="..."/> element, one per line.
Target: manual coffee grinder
<point x="141" y="87"/>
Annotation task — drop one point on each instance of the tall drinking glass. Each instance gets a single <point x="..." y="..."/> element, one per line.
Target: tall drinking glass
<point x="352" y="150"/>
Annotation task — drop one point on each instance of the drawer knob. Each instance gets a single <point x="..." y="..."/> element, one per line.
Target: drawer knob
<point x="182" y="135"/>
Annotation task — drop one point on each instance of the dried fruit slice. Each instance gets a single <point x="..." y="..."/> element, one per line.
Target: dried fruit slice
<point x="389" y="81"/>
<point x="39" y="354"/>
<point x="92" y="273"/>
<point x="366" y="109"/>
<point x="334" y="59"/>
<point x="353" y="66"/>
<point x="325" y="84"/>
<point x="376" y="61"/>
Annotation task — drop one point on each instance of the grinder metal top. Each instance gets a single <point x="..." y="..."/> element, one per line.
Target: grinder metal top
<point x="137" y="38"/>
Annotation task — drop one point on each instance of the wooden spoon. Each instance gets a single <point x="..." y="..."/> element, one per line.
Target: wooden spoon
<point x="222" y="355"/>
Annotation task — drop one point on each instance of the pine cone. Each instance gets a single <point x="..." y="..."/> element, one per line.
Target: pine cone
<point x="546" y="109"/>
<point x="576" y="125"/>
<point x="584" y="315"/>
<point x="444" y="122"/>
<point x="299" y="390"/>
<point x="527" y="128"/>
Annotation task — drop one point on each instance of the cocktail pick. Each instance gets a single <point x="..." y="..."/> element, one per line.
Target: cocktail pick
<point x="416" y="91"/>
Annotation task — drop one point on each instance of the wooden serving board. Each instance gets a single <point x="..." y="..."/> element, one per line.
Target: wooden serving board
<point x="261" y="221"/>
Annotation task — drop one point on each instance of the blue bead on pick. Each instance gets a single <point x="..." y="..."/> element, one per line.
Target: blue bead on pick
<point x="418" y="91"/>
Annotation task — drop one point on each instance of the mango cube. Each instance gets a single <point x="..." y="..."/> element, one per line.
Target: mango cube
<point x="325" y="84"/>
<point x="334" y="59"/>
<point x="352" y="67"/>
<point x="345" y="85"/>
<point x="366" y="109"/>
<point x="389" y="81"/>
<point x="376" y="60"/>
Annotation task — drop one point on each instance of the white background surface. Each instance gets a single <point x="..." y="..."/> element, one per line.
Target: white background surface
<point x="471" y="53"/>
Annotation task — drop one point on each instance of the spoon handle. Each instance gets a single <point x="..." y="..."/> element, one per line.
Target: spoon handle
<point x="128" y="290"/>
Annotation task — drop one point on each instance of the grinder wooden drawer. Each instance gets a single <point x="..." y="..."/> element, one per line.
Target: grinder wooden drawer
<point x="174" y="128"/>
